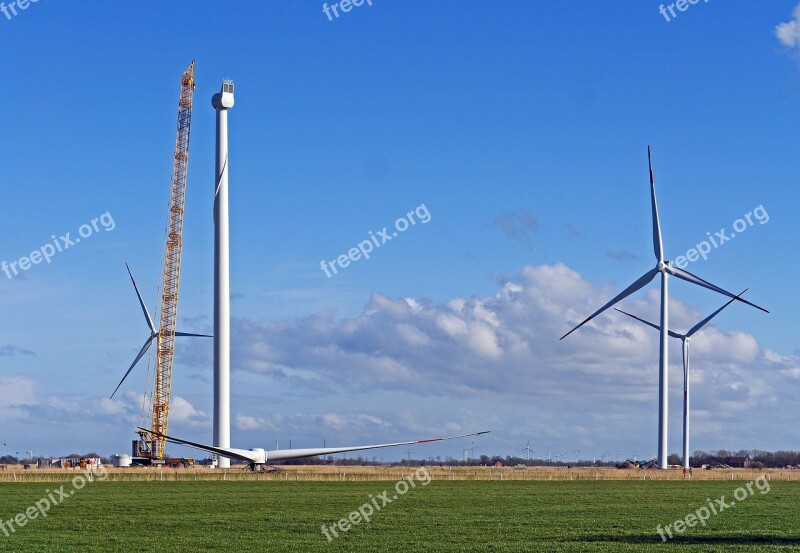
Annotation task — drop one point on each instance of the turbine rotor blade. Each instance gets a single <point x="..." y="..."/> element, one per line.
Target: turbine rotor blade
<point x="702" y="323"/>
<point x="194" y="335"/>
<point x="141" y="302"/>
<point x="144" y="349"/>
<point x="648" y="323"/>
<point x="639" y="284"/>
<point x="287" y="454"/>
<point x="240" y="454"/>
<point x="658" y="246"/>
<point x="689" y="277"/>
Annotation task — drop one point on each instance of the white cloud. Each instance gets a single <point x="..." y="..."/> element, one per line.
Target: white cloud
<point x="520" y="226"/>
<point x="409" y="368"/>
<point x="788" y="33"/>
<point x="502" y="346"/>
<point x="248" y="423"/>
<point x="183" y="412"/>
<point x="15" y="392"/>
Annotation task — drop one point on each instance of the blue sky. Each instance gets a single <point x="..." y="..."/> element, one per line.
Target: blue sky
<point x="522" y="127"/>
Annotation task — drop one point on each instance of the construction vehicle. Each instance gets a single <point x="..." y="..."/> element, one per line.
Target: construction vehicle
<point x="149" y="449"/>
<point x="172" y="272"/>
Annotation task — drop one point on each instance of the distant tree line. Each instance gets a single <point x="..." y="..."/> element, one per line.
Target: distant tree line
<point x="12" y="460"/>
<point x="482" y="461"/>
<point x="758" y="458"/>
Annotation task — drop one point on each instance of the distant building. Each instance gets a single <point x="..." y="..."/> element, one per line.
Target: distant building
<point x="739" y="462"/>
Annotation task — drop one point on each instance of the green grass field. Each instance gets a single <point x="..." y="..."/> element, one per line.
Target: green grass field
<point x="443" y="516"/>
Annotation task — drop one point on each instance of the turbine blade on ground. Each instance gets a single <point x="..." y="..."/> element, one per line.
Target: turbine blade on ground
<point x="240" y="454"/>
<point x="658" y="246"/>
<point x="689" y="277"/>
<point x="141" y="302"/>
<point x="144" y="349"/>
<point x="639" y="284"/>
<point x="702" y="323"/>
<point x="287" y="454"/>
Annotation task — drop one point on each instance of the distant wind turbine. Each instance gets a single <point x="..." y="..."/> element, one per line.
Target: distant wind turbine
<point x="527" y="450"/>
<point x="665" y="269"/>
<point x="685" y="339"/>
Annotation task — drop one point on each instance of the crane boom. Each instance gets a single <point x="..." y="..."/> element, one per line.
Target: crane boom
<point x="172" y="270"/>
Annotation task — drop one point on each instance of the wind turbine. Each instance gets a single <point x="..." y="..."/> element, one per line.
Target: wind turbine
<point x="685" y="339"/>
<point x="467" y="452"/>
<point x="258" y="458"/>
<point x="665" y="269"/>
<point x="154" y="334"/>
<point x="527" y="449"/>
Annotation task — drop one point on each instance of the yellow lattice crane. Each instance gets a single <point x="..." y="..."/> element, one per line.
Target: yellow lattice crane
<point x="152" y="444"/>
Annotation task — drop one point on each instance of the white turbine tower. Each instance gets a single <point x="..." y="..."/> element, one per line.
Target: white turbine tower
<point x="469" y="452"/>
<point x="665" y="269"/>
<point x="222" y="102"/>
<point x="685" y="339"/>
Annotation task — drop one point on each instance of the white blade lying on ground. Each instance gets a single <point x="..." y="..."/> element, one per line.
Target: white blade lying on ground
<point x="287" y="454"/>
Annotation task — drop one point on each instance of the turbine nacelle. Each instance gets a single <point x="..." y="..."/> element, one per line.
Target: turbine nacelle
<point x="224" y="98"/>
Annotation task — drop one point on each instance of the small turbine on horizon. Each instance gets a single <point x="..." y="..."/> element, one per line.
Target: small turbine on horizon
<point x="685" y="340"/>
<point x="527" y="450"/>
